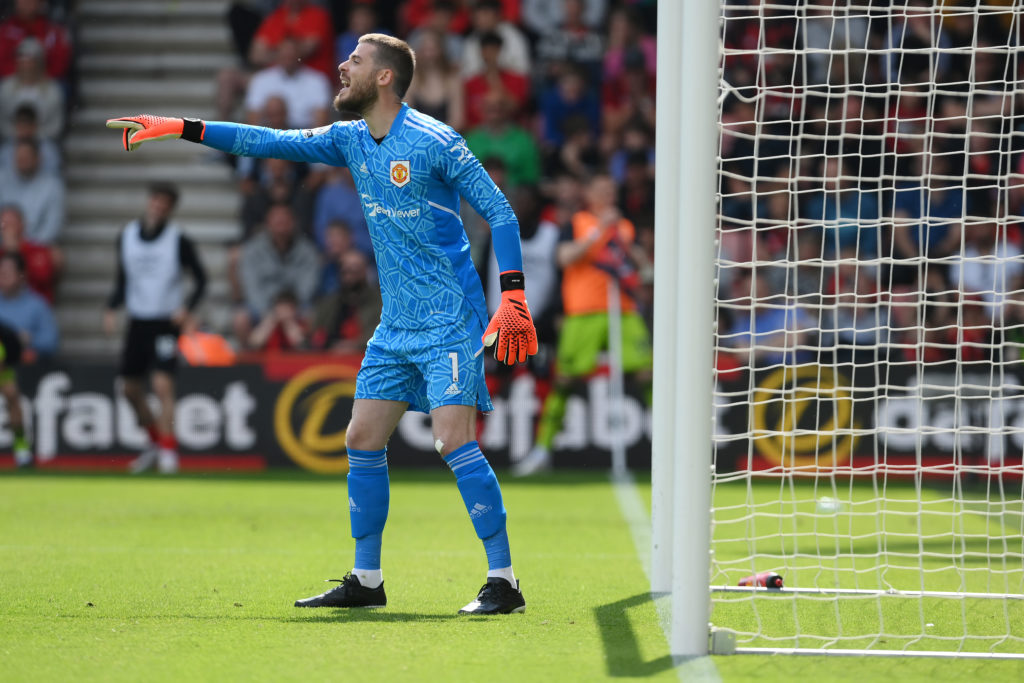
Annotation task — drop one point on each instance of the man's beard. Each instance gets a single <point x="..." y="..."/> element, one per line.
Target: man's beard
<point x="358" y="99"/>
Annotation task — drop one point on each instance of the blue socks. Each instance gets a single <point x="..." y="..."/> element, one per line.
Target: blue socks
<point x="482" y="496"/>
<point x="368" y="496"/>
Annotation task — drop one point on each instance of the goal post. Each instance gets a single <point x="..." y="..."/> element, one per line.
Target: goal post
<point x="839" y="326"/>
<point x="684" y="314"/>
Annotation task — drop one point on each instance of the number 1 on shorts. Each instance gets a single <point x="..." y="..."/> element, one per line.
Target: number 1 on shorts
<point x="455" y="365"/>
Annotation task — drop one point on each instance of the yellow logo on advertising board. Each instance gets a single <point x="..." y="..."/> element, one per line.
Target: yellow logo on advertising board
<point x="299" y="424"/>
<point x="797" y="414"/>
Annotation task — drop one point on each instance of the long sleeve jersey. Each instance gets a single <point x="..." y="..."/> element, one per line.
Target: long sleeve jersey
<point x="409" y="185"/>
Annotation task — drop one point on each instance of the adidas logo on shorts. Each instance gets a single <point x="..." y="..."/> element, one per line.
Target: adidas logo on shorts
<point x="452" y="390"/>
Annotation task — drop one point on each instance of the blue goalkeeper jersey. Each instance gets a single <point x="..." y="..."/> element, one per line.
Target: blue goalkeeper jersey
<point x="409" y="185"/>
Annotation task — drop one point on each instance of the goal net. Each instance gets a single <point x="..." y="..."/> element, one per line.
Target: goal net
<point x="869" y="345"/>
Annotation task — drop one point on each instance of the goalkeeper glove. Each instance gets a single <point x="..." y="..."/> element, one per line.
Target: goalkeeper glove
<point x="512" y="326"/>
<point x="143" y="128"/>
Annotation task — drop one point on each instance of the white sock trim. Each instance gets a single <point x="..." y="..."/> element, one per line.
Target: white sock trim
<point x="503" y="573"/>
<point x="369" y="578"/>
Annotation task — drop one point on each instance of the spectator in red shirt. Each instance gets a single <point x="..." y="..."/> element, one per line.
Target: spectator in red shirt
<point x="493" y="79"/>
<point x="42" y="263"/>
<point x="282" y="329"/>
<point x="417" y="13"/>
<point x="29" y="19"/>
<point x="309" y="25"/>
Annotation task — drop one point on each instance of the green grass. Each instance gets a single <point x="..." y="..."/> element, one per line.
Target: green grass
<point x="911" y="542"/>
<point x="192" y="579"/>
<point x="111" y="578"/>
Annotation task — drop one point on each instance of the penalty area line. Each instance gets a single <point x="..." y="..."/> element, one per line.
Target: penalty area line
<point x="634" y="512"/>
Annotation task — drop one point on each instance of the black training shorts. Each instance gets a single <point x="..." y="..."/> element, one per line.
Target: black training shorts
<point x="149" y="345"/>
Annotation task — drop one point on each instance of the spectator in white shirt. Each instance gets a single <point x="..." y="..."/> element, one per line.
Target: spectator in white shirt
<point x="29" y="84"/>
<point x="39" y="195"/>
<point x="306" y="91"/>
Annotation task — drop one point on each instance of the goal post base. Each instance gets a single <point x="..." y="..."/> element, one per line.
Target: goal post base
<point x="813" y="652"/>
<point x="721" y="641"/>
<point x="891" y="593"/>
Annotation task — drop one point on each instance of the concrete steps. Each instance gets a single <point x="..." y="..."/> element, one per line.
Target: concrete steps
<point x="141" y="56"/>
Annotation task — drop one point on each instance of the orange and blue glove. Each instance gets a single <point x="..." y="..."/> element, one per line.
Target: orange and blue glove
<point x="511" y="330"/>
<point x="143" y="128"/>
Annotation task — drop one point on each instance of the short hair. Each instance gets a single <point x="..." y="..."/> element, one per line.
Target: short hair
<point x="168" y="190"/>
<point x="26" y="113"/>
<point x="491" y="38"/>
<point x="395" y="54"/>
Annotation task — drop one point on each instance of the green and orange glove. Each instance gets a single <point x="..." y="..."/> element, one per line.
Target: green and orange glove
<point x="143" y="128"/>
<point x="512" y="325"/>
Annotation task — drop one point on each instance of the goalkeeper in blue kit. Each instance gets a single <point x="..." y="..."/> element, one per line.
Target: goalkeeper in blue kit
<point x="426" y="353"/>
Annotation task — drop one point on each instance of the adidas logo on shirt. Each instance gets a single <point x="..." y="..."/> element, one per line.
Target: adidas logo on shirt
<point x="452" y="390"/>
<point x="479" y="510"/>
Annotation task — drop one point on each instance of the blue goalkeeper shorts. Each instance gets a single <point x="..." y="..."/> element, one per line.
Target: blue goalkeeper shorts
<point x="439" y="366"/>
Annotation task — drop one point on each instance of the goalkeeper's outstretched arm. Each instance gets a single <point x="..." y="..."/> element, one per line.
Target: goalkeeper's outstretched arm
<point x="313" y="146"/>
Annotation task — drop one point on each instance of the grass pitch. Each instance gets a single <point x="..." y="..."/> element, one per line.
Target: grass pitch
<point x="113" y="578"/>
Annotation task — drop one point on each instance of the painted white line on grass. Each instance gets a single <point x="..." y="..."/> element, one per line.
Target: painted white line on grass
<point x="634" y="511"/>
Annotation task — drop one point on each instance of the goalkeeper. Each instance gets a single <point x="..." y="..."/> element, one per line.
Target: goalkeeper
<point x="425" y="354"/>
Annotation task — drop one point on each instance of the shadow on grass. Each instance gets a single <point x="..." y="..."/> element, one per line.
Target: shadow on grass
<point x="621" y="648"/>
<point x="334" y="616"/>
<point x="344" y="616"/>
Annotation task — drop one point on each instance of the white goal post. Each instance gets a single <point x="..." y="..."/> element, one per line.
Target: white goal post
<point x="839" y="326"/>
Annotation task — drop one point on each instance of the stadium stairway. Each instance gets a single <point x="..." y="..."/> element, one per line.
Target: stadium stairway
<point x="140" y="56"/>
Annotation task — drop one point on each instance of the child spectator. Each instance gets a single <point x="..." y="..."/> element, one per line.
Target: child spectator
<point x="282" y="329"/>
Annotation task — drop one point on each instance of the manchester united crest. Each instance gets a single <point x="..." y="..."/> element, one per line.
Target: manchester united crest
<point x="400" y="172"/>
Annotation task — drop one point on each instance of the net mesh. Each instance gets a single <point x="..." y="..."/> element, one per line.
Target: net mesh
<point x="869" y="343"/>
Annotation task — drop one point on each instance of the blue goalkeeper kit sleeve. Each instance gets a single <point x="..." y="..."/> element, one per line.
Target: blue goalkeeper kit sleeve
<point x="409" y="185"/>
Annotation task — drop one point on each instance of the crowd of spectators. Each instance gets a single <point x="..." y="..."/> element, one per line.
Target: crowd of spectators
<point x="547" y="93"/>
<point x="36" y="57"/>
<point x="871" y="194"/>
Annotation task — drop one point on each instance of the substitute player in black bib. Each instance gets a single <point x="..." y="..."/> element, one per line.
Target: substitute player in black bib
<point x="152" y="255"/>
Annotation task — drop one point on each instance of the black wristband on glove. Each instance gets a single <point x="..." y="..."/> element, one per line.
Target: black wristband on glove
<point x="513" y="279"/>
<point x="192" y="130"/>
